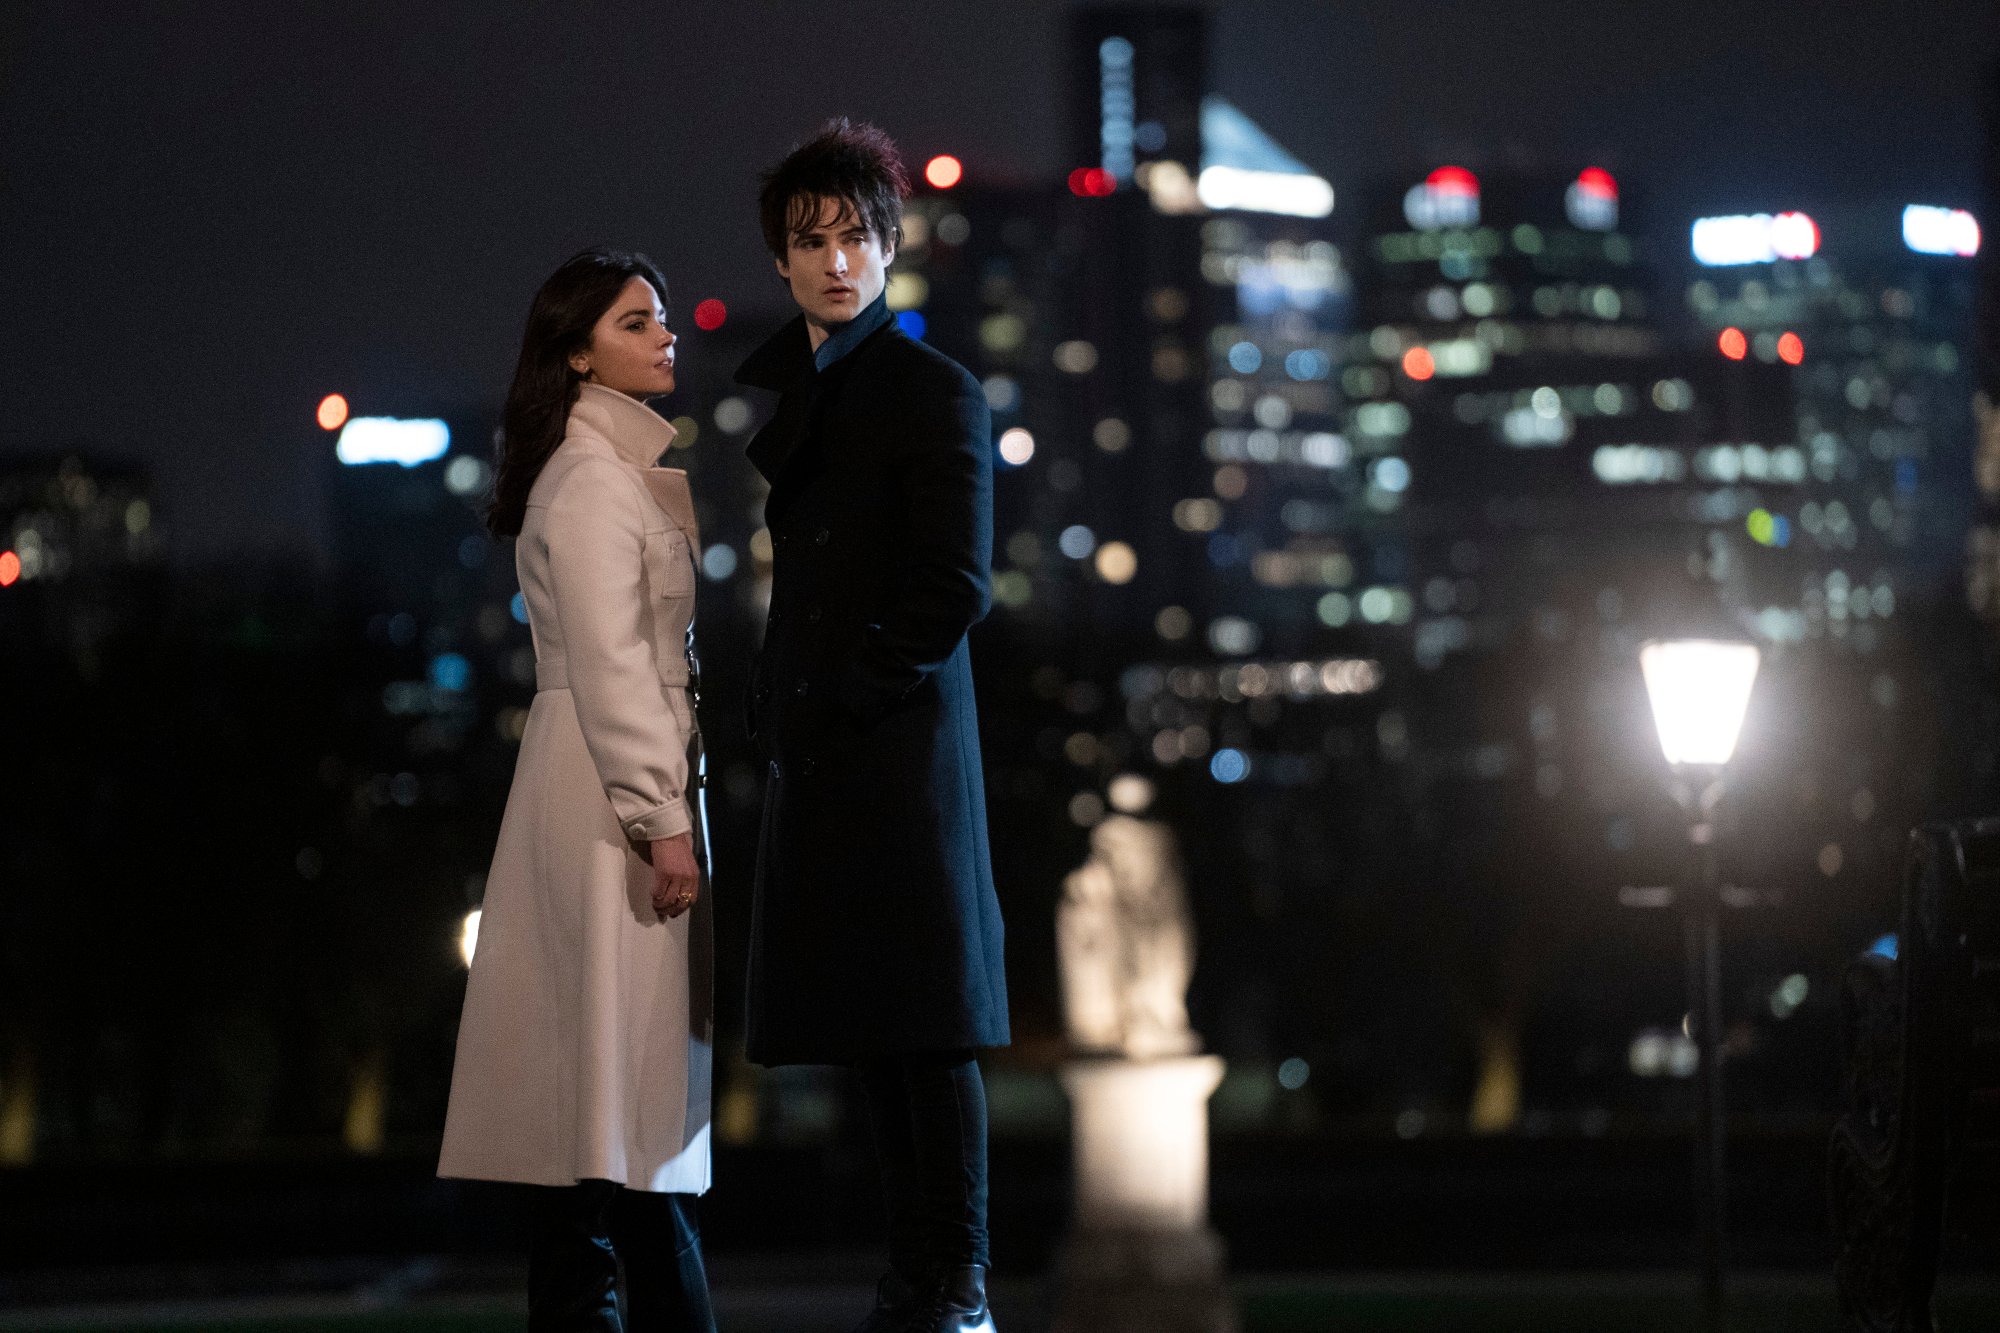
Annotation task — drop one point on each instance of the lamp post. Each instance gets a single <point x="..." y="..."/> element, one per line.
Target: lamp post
<point x="1700" y="690"/>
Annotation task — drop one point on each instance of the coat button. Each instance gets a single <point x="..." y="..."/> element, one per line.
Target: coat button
<point x="801" y="687"/>
<point x="819" y="538"/>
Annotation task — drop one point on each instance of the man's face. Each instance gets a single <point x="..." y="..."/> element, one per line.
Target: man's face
<point x="836" y="266"/>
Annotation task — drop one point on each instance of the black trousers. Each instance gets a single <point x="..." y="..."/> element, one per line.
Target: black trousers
<point x="606" y="1259"/>
<point x="928" y="1113"/>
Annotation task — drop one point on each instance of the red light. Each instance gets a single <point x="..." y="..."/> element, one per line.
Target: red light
<point x="1419" y="364"/>
<point x="1597" y="181"/>
<point x="944" y="171"/>
<point x="1092" y="182"/>
<point x="1453" y="180"/>
<point x="1733" y="344"/>
<point x="709" y="315"/>
<point x="10" y="568"/>
<point x="1791" y="349"/>
<point x="332" y="412"/>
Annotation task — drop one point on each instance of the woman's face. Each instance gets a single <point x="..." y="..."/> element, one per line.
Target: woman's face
<point x="631" y="349"/>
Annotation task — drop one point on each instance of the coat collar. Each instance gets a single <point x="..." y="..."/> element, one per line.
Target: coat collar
<point x="789" y="357"/>
<point x="634" y="431"/>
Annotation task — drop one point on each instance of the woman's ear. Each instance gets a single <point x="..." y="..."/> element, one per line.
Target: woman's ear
<point x="580" y="363"/>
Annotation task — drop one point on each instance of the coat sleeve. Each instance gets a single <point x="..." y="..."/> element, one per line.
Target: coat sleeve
<point x="945" y="586"/>
<point x="597" y="570"/>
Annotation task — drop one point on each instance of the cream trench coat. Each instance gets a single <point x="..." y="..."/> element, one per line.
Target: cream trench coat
<point x="584" y="1051"/>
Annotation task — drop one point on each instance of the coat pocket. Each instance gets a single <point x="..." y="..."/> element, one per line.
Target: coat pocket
<point x="669" y="564"/>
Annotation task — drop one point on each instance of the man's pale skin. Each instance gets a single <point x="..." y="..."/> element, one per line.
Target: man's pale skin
<point x="835" y="268"/>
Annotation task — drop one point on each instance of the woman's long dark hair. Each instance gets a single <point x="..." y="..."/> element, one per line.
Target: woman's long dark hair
<point x="565" y="310"/>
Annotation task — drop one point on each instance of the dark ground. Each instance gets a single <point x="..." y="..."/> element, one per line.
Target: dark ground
<point x="1447" y="1233"/>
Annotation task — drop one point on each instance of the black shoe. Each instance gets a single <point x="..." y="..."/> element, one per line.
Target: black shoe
<point x="955" y="1303"/>
<point x="895" y="1300"/>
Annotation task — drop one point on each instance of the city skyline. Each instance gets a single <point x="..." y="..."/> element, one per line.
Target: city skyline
<point x="268" y="257"/>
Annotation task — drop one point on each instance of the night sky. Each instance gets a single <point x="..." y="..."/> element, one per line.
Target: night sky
<point x="213" y="213"/>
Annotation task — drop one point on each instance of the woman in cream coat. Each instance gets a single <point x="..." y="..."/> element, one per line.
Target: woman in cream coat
<point x="583" y="1060"/>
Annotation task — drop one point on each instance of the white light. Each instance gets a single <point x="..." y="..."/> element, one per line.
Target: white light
<point x="1017" y="446"/>
<point x="1130" y="794"/>
<point x="1265" y="192"/>
<point x="465" y="475"/>
<point x="1794" y="236"/>
<point x="468" y="936"/>
<point x="1940" y="231"/>
<point x="1755" y="238"/>
<point x="392" y="440"/>
<point x="1700" y="691"/>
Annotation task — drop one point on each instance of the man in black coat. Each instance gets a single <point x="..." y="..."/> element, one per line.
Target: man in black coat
<point x="876" y="939"/>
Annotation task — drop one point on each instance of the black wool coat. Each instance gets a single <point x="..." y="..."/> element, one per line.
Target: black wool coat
<point x="875" y="929"/>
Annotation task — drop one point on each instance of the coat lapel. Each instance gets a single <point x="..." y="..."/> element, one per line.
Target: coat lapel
<point x="788" y="364"/>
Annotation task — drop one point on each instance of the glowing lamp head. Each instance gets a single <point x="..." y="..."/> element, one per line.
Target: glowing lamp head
<point x="1700" y="692"/>
<point x="944" y="171"/>
<point x="332" y="414"/>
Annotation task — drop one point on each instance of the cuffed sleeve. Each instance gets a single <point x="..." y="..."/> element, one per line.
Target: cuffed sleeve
<point x="596" y="536"/>
<point x="945" y="587"/>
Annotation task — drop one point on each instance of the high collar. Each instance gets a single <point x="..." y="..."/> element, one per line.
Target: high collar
<point x="789" y="356"/>
<point x="635" y="432"/>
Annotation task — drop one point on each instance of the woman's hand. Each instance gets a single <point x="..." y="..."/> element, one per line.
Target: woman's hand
<point x="676" y="878"/>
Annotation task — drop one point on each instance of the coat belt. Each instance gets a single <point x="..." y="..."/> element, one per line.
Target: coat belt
<point x="552" y="673"/>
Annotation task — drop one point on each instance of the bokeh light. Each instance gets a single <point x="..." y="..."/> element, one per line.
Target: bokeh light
<point x="332" y="414"/>
<point x="710" y="315"/>
<point x="944" y="171"/>
<point x="1733" y="344"/>
<point x="1791" y="349"/>
<point x="1418" y="363"/>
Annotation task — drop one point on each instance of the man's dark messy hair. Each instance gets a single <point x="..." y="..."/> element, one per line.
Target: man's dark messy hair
<point x="855" y="163"/>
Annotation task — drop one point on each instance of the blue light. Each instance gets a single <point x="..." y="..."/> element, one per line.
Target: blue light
<point x="1308" y="363"/>
<point x="1885" y="947"/>
<point x="450" y="671"/>
<point x="1227" y="765"/>
<point x="719" y="561"/>
<point x="1244" y="358"/>
<point x="911" y="322"/>
<point x="519" y="608"/>
<point x="1781" y="531"/>
<point x="1906" y="476"/>
<point x="1077" y="541"/>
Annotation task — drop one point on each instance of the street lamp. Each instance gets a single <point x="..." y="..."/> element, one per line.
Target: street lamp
<point x="1700" y="691"/>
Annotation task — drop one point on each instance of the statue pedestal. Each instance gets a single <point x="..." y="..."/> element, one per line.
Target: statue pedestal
<point x="1141" y="1256"/>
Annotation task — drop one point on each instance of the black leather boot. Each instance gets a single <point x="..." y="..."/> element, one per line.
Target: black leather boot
<point x="955" y="1303"/>
<point x="572" y="1268"/>
<point x="895" y="1299"/>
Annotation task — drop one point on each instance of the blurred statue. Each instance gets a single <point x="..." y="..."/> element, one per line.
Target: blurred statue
<point x="1125" y="942"/>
